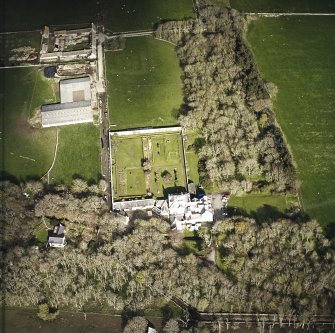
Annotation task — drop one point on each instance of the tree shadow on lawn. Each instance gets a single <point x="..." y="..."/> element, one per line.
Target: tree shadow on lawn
<point x="330" y="230"/>
<point x="191" y="245"/>
<point x="173" y="190"/>
<point x="89" y="181"/>
<point x="17" y="180"/>
<point x="268" y="213"/>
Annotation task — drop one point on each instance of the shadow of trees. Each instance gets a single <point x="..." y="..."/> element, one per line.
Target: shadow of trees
<point x="268" y="213"/>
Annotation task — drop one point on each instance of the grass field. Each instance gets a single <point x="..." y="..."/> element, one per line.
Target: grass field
<point x="263" y="207"/>
<point x="164" y="153"/>
<point x="298" y="55"/>
<point x="309" y="6"/>
<point x="25" y="152"/>
<point x="29" y="15"/>
<point x="134" y="15"/>
<point x="144" y="85"/>
<point x="78" y="154"/>
<point x="117" y="15"/>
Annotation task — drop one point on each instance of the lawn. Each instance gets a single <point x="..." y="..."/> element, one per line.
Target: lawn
<point x="310" y="6"/>
<point x="136" y="15"/>
<point x="144" y="84"/>
<point x="192" y="158"/>
<point x="298" y="55"/>
<point x="26" y="152"/>
<point x="164" y="154"/>
<point x="262" y="207"/>
<point x="78" y="154"/>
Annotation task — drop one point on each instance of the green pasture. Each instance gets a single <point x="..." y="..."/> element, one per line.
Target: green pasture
<point x="29" y="15"/>
<point x="263" y="207"/>
<point x="166" y="154"/>
<point x="26" y="152"/>
<point x="298" y="55"/>
<point x="268" y="6"/>
<point x="78" y="154"/>
<point x="116" y="15"/>
<point x="138" y="15"/>
<point x="144" y="84"/>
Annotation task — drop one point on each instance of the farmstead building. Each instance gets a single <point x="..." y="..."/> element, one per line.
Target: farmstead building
<point x="75" y="106"/>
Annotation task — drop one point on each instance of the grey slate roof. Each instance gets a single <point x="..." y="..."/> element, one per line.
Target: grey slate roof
<point x="74" y="81"/>
<point x="60" y="229"/>
<point x="64" y="106"/>
<point x="56" y="240"/>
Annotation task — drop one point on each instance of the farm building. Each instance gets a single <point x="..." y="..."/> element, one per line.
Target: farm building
<point x="75" y="106"/>
<point x="65" y="43"/>
<point x="185" y="213"/>
<point x="57" y="237"/>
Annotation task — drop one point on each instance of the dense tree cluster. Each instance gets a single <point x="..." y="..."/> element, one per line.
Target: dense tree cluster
<point x="228" y="103"/>
<point x="288" y="267"/>
<point x="136" y="324"/>
<point x="282" y="267"/>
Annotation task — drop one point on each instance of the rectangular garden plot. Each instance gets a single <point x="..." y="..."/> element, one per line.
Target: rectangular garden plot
<point x="147" y="164"/>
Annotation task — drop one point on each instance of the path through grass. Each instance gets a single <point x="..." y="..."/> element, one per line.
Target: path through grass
<point x="298" y="55"/>
<point x="78" y="154"/>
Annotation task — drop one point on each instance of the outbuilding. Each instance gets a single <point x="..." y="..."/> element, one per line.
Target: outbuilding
<point x="75" y="106"/>
<point x="57" y="237"/>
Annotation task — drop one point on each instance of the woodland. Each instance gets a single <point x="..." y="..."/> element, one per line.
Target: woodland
<point x="282" y="267"/>
<point x="240" y="146"/>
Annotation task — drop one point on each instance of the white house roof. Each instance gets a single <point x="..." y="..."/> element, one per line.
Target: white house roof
<point x="183" y="211"/>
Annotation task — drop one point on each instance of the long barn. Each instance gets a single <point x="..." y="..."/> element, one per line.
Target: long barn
<point x="75" y="106"/>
